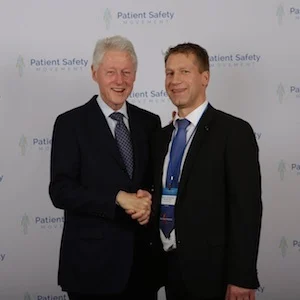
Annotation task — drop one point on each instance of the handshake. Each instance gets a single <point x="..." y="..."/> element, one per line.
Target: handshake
<point x="137" y="205"/>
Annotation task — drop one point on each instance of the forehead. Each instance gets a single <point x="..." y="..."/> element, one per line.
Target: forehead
<point x="117" y="58"/>
<point x="181" y="60"/>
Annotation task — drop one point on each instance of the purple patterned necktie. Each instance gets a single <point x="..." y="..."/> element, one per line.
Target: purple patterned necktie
<point x="123" y="139"/>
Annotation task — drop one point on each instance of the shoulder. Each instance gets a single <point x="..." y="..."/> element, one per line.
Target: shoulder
<point x="164" y="133"/>
<point x="141" y="112"/>
<point x="144" y="116"/>
<point x="231" y="122"/>
<point x="78" y="112"/>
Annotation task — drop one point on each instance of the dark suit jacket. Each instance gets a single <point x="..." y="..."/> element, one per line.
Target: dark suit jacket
<point x="99" y="240"/>
<point x="218" y="207"/>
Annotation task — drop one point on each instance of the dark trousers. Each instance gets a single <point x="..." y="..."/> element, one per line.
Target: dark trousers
<point x="139" y="285"/>
<point x="135" y="290"/>
<point x="175" y="286"/>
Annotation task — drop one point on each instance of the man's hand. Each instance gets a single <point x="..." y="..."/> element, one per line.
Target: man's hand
<point x="137" y="205"/>
<point x="237" y="293"/>
<point x="143" y="193"/>
<point x="141" y="216"/>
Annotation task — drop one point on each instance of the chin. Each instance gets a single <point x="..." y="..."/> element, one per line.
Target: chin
<point x="119" y="102"/>
<point x="178" y="101"/>
<point x="119" y="98"/>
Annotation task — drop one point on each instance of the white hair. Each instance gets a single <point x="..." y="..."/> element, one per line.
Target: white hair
<point x="117" y="43"/>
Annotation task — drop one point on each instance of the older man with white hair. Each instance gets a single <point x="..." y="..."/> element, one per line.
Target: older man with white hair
<point x="100" y="175"/>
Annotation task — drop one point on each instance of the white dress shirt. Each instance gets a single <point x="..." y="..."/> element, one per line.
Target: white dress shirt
<point x="194" y="117"/>
<point x="107" y="111"/>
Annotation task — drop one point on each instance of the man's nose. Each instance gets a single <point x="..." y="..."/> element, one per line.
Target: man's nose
<point x="119" y="78"/>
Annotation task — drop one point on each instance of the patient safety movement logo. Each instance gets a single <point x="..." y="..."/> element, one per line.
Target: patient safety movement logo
<point x="286" y="244"/>
<point x="36" y="296"/>
<point x="23" y="144"/>
<point x="20" y="65"/>
<point x="280" y="93"/>
<point x="153" y="96"/>
<point x="2" y="257"/>
<point x="34" y="143"/>
<point x="234" y="60"/>
<point x="260" y="290"/>
<point x="137" y="18"/>
<point x="287" y="92"/>
<point x="284" y="167"/>
<point x="257" y="135"/>
<point x="231" y="60"/>
<point x="50" y="64"/>
<point x="41" y="222"/>
<point x="285" y="12"/>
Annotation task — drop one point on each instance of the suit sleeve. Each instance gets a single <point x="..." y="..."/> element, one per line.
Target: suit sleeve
<point x="154" y="125"/>
<point x="156" y="129"/>
<point x="65" y="189"/>
<point x="245" y="206"/>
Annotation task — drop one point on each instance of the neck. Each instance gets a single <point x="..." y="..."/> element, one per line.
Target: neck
<point x="184" y="111"/>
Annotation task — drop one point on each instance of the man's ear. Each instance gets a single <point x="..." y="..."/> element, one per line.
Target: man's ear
<point x="173" y="116"/>
<point x="205" y="78"/>
<point x="94" y="73"/>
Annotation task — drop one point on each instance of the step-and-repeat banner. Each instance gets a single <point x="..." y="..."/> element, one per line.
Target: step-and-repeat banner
<point x="45" y="57"/>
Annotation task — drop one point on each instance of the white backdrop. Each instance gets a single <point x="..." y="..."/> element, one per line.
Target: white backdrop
<point x="46" y="49"/>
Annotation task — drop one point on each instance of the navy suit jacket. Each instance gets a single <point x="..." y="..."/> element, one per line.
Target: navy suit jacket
<point x="101" y="245"/>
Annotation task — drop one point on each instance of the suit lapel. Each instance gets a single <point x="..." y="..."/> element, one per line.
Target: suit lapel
<point x="136" y="133"/>
<point x="162" y="145"/>
<point x="201" y="135"/>
<point x="100" y="133"/>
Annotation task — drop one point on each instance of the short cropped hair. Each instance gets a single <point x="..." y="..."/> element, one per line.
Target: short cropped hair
<point x="190" y="48"/>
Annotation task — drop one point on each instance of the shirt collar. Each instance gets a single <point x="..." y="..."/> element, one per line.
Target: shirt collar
<point x="193" y="116"/>
<point x="107" y="111"/>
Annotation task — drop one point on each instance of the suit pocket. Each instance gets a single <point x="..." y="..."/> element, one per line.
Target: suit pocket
<point x="90" y="234"/>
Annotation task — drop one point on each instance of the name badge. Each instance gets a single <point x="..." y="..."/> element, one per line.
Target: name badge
<point x="168" y="200"/>
<point x="169" y="196"/>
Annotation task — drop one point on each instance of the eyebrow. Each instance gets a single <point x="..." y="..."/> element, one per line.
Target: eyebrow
<point x="180" y="68"/>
